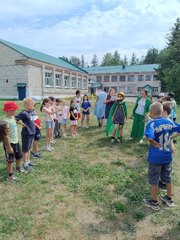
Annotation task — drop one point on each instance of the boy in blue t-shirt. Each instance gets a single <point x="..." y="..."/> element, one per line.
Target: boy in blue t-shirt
<point x="158" y="133"/>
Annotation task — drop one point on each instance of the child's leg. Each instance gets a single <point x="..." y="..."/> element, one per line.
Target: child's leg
<point x="115" y="129"/>
<point x="9" y="168"/>
<point x="75" y="129"/>
<point x="87" y="120"/>
<point x="120" y="131"/>
<point x="82" y="119"/>
<point x="18" y="162"/>
<point x="169" y="190"/>
<point x="35" y="146"/>
<point x="154" y="192"/>
<point x="25" y="157"/>
<point x="72" y="130"/>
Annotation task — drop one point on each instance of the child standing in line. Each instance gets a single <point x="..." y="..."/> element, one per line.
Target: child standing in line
<point x="78" y="100"/>
<point x="13" y="149"/>
<point x="58" y="109"/>
<point x="27" y="132"/>
<point x="117" y="118"/>
<point x="86" y="105"/>
<point x="37" y="136"/>
<point x="65" y="116"/>
<point x="53" y="109"/>
<point x="49" y="122"/>
<point x="73" y="118"/>
<point x="158" y="133"/>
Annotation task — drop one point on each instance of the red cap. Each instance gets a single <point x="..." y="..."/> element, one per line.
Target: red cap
<point x="10" y="106"/>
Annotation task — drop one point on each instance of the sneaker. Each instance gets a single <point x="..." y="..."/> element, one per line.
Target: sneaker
<point x="51" y="148"/>
<point x="118" y="140"/>
<point x="53" y="141"/>
<point x="141" y="141"/>
<point x="151" y="204"/>
<point x="28" y="168"/>
<point x="36" y="155"/>
<point x="32" y="164"/>
<point x="48" y="149"/>
<point x="12" y="178"/>
<point x="21" y="170"/>
<point x="167" y="200"/>
<point x="130" y="138"/>
<point x="112" y="140"/>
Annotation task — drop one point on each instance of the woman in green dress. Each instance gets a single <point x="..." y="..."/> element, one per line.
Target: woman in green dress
<point x="141" y="108"/>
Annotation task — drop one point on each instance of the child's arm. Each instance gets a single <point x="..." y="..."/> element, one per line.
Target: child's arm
<point x="20" y="123"/>
<point x="172" y="147"/>
<point x="48" y="111"/>
<point x="154" y="143"/>
<point x="7" y="144"/>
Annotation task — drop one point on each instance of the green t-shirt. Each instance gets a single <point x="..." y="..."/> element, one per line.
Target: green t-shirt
<point x="13" y="136"/>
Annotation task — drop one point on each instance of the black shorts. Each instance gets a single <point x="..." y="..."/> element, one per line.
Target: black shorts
<point x="26" y="142"/>
<point x="158" y="172"/>
<point x="37" y="135"/>
<point x="16" y="155"/>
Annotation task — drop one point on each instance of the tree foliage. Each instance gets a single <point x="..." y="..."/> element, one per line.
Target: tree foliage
<point x="75" y="60"/>
<point x="169" y="62"/>
<point x="94" y="62"/>
<point x="151" y="56"/>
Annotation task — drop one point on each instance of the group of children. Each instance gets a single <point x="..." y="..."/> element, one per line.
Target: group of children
<point x="159" y="132"/>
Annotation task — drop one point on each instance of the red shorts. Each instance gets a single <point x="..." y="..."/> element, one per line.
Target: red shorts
<point x="79" y="115"/>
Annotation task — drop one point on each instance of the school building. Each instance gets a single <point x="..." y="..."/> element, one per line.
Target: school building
<point x="28" y="73"/>
<point x="128" y="79"/>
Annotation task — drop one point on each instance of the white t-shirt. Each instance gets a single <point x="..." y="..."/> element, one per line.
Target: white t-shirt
<point x="140" y="107"/>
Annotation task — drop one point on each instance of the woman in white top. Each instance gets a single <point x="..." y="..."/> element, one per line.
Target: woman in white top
<point x="140" y="110"/>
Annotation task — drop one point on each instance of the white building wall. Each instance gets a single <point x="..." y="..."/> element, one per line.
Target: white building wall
<point x="9" y="77"/>
<point x="8" y="56"/>
<point x="34" y="88"/>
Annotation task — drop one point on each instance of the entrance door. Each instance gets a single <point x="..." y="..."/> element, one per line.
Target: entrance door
<point x="21" y="92"/>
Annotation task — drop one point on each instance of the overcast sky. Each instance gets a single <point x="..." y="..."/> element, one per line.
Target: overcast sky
<point x="76" y="27"/>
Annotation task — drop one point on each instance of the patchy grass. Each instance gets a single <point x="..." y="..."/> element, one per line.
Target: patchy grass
<point x="86" y="189"/>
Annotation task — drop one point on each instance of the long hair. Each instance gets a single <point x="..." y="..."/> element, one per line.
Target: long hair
<point x="85" y="96"/>
<point x="45" y="100"/>
<point x="3" y="134"/>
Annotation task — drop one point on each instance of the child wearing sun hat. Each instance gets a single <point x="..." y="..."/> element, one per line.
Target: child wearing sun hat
<point x="117" y="118"/>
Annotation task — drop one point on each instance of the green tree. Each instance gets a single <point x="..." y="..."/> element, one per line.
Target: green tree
<point x="116" y="58"/>
<point x="169" y="62"/>
<point x="82" y="61"/>
<point x="108" y="59"/>
<point x="151" y="56"/>
<point x="134" y="60"/>
<point x="75" y="60"/>
<point x="94" y="62"/>
<point x="65" y="58"/>
<point x="125" y="61"/>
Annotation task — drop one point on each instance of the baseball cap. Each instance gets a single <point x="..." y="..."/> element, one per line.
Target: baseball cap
<point x="10" y="106"/>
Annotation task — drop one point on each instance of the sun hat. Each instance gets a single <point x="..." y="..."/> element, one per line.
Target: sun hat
<point x="121" y="94"/>
<point x="10" y="106"/>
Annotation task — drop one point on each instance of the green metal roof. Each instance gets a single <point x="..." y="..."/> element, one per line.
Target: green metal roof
<point x="120" y="69"/>
<point x="42" y="56"/>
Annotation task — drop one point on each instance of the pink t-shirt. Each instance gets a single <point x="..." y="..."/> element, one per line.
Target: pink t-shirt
<point x="65" y="112"/>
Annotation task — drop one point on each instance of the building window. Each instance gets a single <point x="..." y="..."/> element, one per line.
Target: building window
<point x="58" y="80"/>
<point x="140" y="77"/>
<point x="84" y="84"/>
<point x="66" y="81"/>
<point x="99" y="78"/>
<point x="106" y="89"/>
<point x="114" y="79"/>
<point x="148" y="77"/>
<point x="73" y="82"/>
<point x="131" y="78"/>
<point x="130" y="89"/>
<point x="155" y="90"/>
<point x="122" y="89"/>
<point x="79" y="84"/>
<point x="122" y="78"/>
<point x="155" y="78"/>
<point x="106" y="78"/>
<point x="48" y="79"/>
<point x="140" y="89"/>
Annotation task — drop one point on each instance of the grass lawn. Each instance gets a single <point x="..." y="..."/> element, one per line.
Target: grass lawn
<point x="87" y="189"/>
